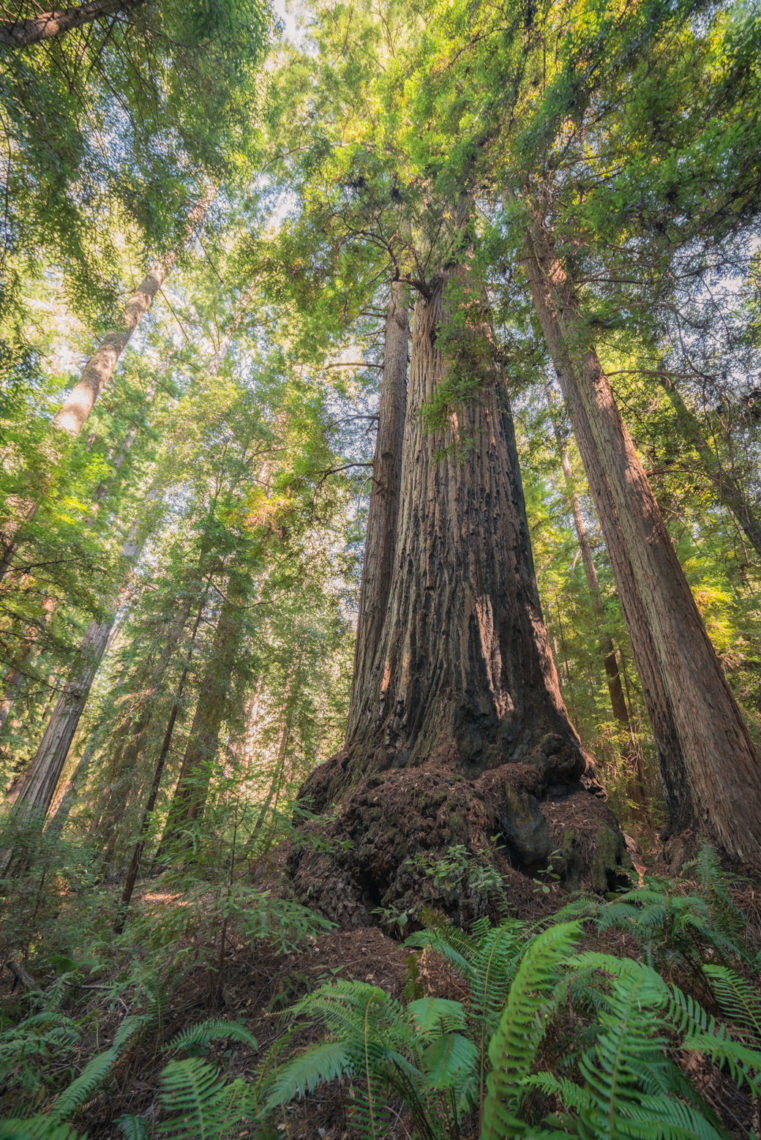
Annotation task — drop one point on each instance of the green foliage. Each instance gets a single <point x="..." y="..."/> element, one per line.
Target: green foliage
<point x="200" y="1035"/>
<point x="512" y="1048"/>
<point x="197" y="1102"/>
<point x="616" y="1027"/>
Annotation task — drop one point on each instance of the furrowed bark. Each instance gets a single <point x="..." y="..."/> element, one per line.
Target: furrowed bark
<point x="380" y="541"/>
<point x="463" y="670"/>
<point x="461" y="737"/>
<point x="48" y="25"/>
<point x="711" y="774"/>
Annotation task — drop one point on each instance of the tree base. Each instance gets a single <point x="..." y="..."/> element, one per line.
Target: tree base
<point x="411" y="838"/>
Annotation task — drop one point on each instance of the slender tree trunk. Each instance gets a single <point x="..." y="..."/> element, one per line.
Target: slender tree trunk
<point x="123" y="762"/>
<point x="712" y="778"/>
<point x="380" y="541"/>
<point x="728" y="491"/>
<point x="150" y="803"/>
<point x="21" y="33"/>
<point x="607" y="648"/>
<point x="96" y="374"/>
<point x="281" y="753"/>
<point x="636" y="786"/>
<point x="40" y="782"/>
<point x="191" y="792"/>
<point x="38" y="787"/>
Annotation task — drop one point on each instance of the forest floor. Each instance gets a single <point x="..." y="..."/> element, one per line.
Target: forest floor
<point x="256" y="983"/>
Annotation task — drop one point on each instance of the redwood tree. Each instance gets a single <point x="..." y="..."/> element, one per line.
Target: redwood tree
<point x="380" y="537"/>
<point x="683" y="682"/>
<point x="460" y="731"/>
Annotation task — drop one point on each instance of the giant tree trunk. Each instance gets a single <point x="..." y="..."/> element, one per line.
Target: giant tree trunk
<point x="711" y="774"/>
<point x="96" y="374"/>
<point x="47" y="25"/>
<point x="380" y="540"/>
<point x="460" y="731"/>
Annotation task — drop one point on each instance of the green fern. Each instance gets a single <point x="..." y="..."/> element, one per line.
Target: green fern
<point x="419" y="1056"/>
<point x="740" y="1001"/>
<point x="197" y="1103"/>
<point x="630" y="1088"/>
<point x="314" y="1065"/>
<point x="513" y="1047"/>
<point x="37" y="1128"/>
<point x="672" y="924"/>
<point x="85" y="1085"/>
<point x="200" y="1035"/>
<point x="617" y="1080"/>
<point x="133" y="1127"/>
<point x="370" y="1042"/>
<point x="743" y="1063"/>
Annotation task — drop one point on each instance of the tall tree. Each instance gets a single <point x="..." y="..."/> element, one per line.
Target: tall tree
<point x="190" y="794"/>
<point x="705" y="723"/>
<point x="35" y="792"/>
<point x="96" y="374"/>
<point x="380" y="536"/>
<point x="608" y="650"/>
<point x="463" y="684"/>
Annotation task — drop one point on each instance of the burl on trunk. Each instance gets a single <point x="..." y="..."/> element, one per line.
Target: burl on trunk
<point x="460" y="735"/>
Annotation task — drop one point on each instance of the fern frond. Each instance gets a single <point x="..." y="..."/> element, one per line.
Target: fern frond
<point x="743" y="1063"/>
<point x="204" y="1032"/>
<point x="196" y="1101"/>
<point x="513" y="1047"/>
<point x="665" y="1118"/>
<point x="450" y="1062"/>
<point x="572" y="1095"/>
<point x="455" y="952"/>
<point x="687" y="1016"/>
<point x="128" y="1028"/>
<point x="314" y="1065"/>
<point x="133" y="1127"/>
<point x="433" y="1015"/>
<point x="37" y="1128"/>
<point x="82" y="1088"/>
<point x="740" y="1001"/>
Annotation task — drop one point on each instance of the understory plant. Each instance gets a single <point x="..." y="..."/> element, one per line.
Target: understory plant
<point x="551" y="1036"/>
<point x="618" y="1033"/>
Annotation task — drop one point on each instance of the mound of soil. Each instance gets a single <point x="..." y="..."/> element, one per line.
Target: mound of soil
<point x="412" y="838"/>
